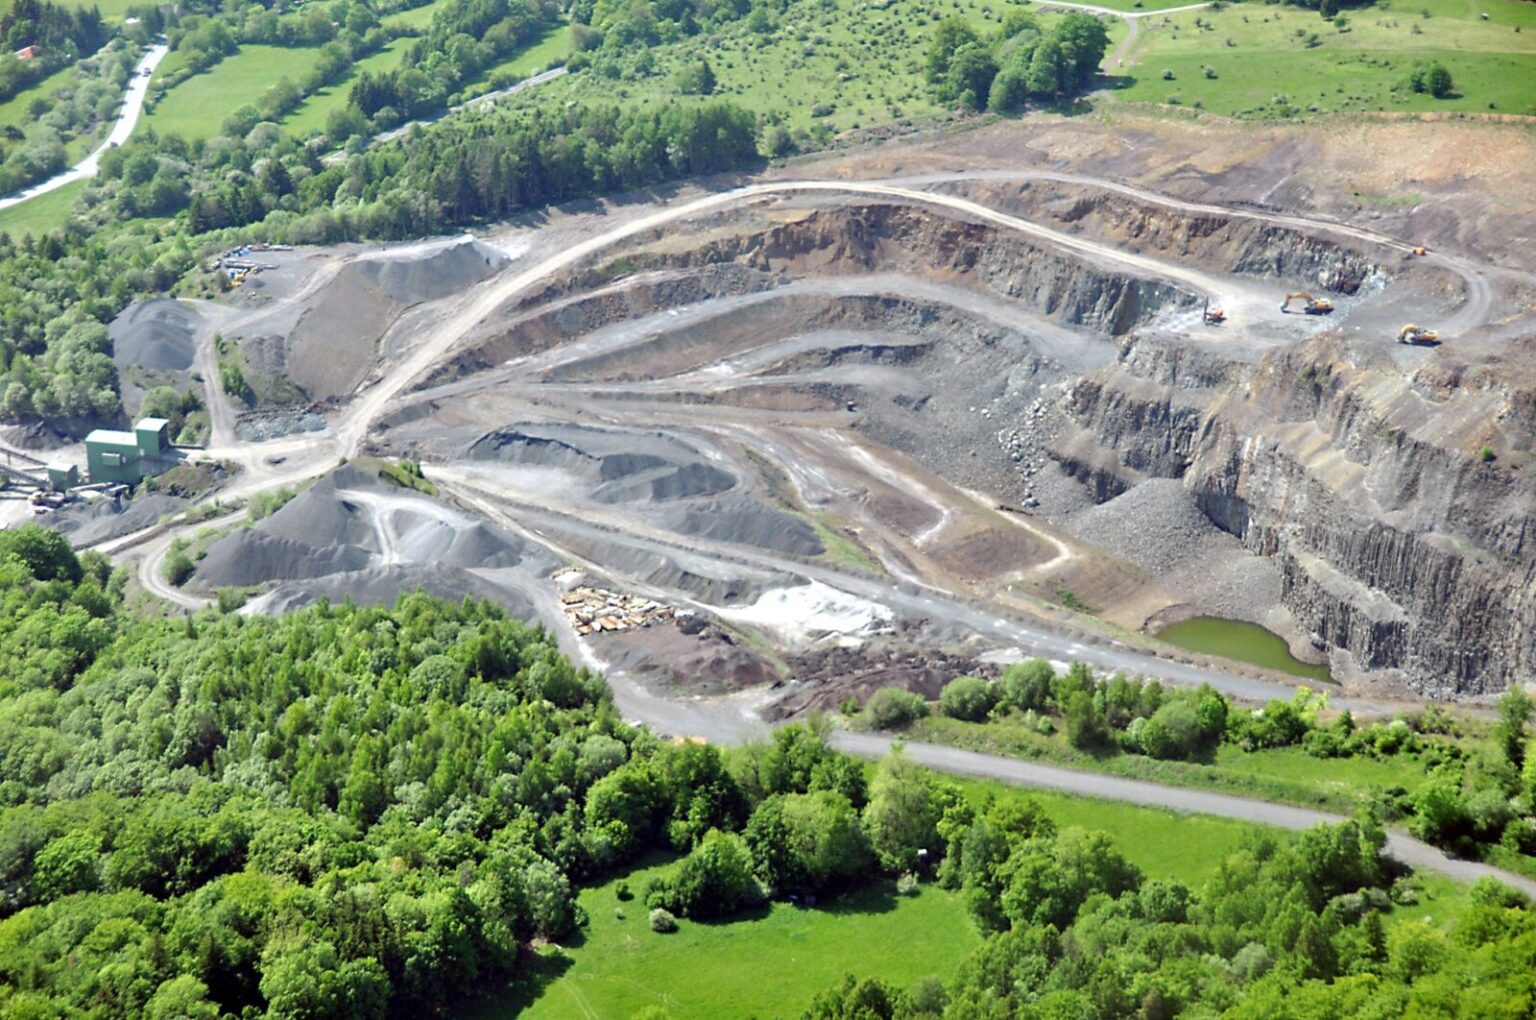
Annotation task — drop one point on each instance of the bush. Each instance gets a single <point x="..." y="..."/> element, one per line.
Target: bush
<point x="663" y="921"/>
<point x="622" y="891"/>
<point x="1027" y="685"/>
<point x="1487" y="454"/>
<point x="968" y="697"/>
<point x="178" y="568"/>
<point x="892" y="708"/>
<point x="907" y="884"/>
<point x="1167" y="74"/>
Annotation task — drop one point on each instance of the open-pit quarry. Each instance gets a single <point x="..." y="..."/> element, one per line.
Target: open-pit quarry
<point x="800" y="437"/>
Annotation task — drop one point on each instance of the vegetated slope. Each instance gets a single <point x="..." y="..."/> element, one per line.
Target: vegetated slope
<point x="369" y="810"/>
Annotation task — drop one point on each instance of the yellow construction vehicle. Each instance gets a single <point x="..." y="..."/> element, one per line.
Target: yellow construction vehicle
<point x="1411" y="334"/>
<point x="1213" y="316"/>
<point x="1313" y="306"/>
<point x="1420" y="250"/>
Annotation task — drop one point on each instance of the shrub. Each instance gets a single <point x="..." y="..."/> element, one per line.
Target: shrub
<point x="1167" y="74"/>
<point x="891" y="708"/>
<point x="906" y="885"/>
<point x="178" y="568"/>
<point x="968" y="697"/>
<point x="663" y="921"/>
<point x="1487" y="454"/>
<point x="1027" y="685"/>
<point x="623" y="892"/>
<point x="715" y="879"/>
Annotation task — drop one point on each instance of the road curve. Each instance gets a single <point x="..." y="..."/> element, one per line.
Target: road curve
<point x="127" y="119"/>
<point x="1132" y="21"/>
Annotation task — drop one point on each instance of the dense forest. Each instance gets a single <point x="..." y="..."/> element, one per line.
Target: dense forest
<point x="350" y="811"/>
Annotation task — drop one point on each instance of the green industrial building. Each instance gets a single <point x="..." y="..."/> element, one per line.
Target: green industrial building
<point x="113" y="456"/>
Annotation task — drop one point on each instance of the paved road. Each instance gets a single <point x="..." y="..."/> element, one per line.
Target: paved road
<point x="1417" y="855"/>
<point x="127" y="118"/>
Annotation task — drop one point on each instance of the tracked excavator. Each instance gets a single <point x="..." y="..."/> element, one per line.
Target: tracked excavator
<point x="1411" y="334"/>
<point x="1213" y="316"/>
<point x="1312" y="306"/>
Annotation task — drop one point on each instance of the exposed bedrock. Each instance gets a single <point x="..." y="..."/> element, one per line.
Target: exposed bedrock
<point x="1398" y="538"/>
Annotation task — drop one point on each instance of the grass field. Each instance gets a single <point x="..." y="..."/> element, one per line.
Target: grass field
<point x="311" y="115"/>
<point x="17" y="109"/>
<point x="842" y="65"/>
<point x="112" y="10"/>
<point x="42" y="214"/>
<point x="1272" y="61"/>
<point x="769" y="962"/>
<point x="552" y="45"/>
<point x="416" y="17"/>
<point x="772" y="961"/>
<point x="198" y="106"/>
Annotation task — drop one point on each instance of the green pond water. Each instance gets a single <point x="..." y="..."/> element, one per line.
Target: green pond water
<point x="1241" y="641"/>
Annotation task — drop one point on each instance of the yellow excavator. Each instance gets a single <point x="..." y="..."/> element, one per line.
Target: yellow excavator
<point x="1411" y="334"/>
<point x="1313" y="306"/>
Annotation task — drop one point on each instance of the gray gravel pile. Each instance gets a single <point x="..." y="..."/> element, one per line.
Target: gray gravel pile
<point x="155" y="334"/>
<point x="1155" y="525"/>
<point x="100" y="521"/>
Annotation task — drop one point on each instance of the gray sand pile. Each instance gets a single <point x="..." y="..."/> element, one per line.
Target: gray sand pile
<point x="250" y="557"/>
<point x="100" y="521"/>
<point x="156" y="334"/>
<point x="745" y="522"/>
<point x="412" y="279"/>
<point x="353" y="529"/>
<point x="1157" y="526"/>
<point x="384" y="585"/>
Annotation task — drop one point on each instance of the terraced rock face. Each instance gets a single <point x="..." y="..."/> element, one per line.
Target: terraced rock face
<point x="1366" y="482"/>
<point x="806" y="414"/>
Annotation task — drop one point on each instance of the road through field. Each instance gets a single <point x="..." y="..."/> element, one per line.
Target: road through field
<point x="127" y="118"/>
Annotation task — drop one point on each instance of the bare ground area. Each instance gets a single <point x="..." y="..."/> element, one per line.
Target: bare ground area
<point x="888" y="415"/>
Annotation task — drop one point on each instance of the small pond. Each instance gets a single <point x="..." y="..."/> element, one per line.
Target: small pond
<point x="1240" y="641"/>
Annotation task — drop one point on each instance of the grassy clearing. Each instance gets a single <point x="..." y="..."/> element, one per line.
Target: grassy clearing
<point x="1273" y="61"/>
<point x="1163" y="844"/>
<point x="831" y="67"/>
<point x="312" y="114"/>
<point x="840" y="549"/>
<point x="416" y="17"/>
<point x="769" y="962"/>
<point x="198" y="107"/>
<point x="1285" y="775"/>
<point x="111" y="10"/>
<point x="17" y="110"/>
<point x="39" y="215"/>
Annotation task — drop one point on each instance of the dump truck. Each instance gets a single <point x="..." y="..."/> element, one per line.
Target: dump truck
<point x="1411" y="334"/>
<point x="1312" y="305"/>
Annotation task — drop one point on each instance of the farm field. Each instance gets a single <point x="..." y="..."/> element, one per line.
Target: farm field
<point x="198" y="106"/>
